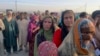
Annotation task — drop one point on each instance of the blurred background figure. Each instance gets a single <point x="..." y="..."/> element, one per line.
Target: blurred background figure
<point x="26" y="16"/>
<point x="1" y="15"/>
<point x="10" y="33"/>
<point x="14" y="15"/>
<point x="2" y="27"/>
<point x="33" y="28"/>
<point x="47" y="13"/>
<point x="22" y="25"/>
<point x="18" y="15"/>
<point x="83" y="15"/>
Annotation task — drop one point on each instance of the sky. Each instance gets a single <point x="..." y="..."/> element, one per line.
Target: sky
<point x="52" y="5"/>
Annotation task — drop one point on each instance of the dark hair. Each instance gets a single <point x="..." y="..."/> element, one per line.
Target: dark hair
<point x="63" y="13"/>
<point x="41" y="23"/>
<point x="83" y="14"/>
<point x="22" y="13"/>
<point x="46" y="10"/>
<point x="8" y="10"/>
<point x="25" y="12"/>
<point x="63" y="27"/>
<point x="95" y="13"/>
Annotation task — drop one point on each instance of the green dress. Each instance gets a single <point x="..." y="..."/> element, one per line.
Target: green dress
<point x="10" y="33"/>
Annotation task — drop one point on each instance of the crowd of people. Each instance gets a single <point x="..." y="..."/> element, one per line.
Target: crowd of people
<point x="49" y="34"/>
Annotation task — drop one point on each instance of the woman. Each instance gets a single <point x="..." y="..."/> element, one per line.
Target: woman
<point x="33" y="28"/>
<point x="78" y="41"/>
<point x="22" y="25"/>
<point x="67" y="21"/>
<point x="45" y="33"/>
<point x="2" y="27"/>
<point x="96" y="41"/>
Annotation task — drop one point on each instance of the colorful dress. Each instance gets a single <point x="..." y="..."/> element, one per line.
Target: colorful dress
<point x="31" y="36"/>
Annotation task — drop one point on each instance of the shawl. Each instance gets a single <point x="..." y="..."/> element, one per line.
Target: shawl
<point x="72" y="45"/>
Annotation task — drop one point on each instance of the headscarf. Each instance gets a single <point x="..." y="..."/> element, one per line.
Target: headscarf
<point x="95" y="13"/>
<point x="42" y="35"/>
<point x="47" y="48"/>
<point x="63" y="27"/>
<point x="72" y="44"/>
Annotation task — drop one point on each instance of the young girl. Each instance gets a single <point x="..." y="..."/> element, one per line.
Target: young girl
<point x="45" y="33"/>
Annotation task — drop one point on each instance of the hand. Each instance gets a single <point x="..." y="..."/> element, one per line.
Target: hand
<point x="36" y="29"/>
<point x="33" y="31"/>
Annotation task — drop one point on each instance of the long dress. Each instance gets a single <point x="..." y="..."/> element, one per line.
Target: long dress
<point x="72" y="45"/>
<point x="10" y="35"/>
<point x="31" y="36"/>
<point x="22" y="25"/>
<point x="1" y="38"/>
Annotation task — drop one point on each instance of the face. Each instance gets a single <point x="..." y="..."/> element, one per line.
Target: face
<point x="87" y="32"/>
<point x="87" y="16"/>
<point x="68" y="19"/>
<point x="9" y="13"/>
<point x="25" y="14"/>
<point x="1" y="16"/>
<point x="22" y="16"/>
<point x="47" y="23"/>
<point x="47" y="12"/>
<point x="97" y="20"/>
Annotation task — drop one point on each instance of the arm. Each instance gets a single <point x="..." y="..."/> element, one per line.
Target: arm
<point x="16" y="29"/>
<point x="2" y="27"/>
<point x="30" y="29"/>
<point x="36" y="29"/>
<point x="57" y="37"/>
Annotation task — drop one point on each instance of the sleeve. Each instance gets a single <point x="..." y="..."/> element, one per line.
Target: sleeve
<point x="40" y="38"/>
<point x="2" y="25"/>
<point x="35" y="47"/>
<point x="57" y="37"/>
<point x="16" y="29"/>
<point x="29" y="30"/>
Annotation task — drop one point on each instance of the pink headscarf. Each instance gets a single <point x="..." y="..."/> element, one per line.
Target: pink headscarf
<point x="47" y="48"/>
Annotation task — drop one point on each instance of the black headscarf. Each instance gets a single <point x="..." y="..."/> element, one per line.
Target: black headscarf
<point x="95" y="13"/>
<point x="63" y="27"/>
